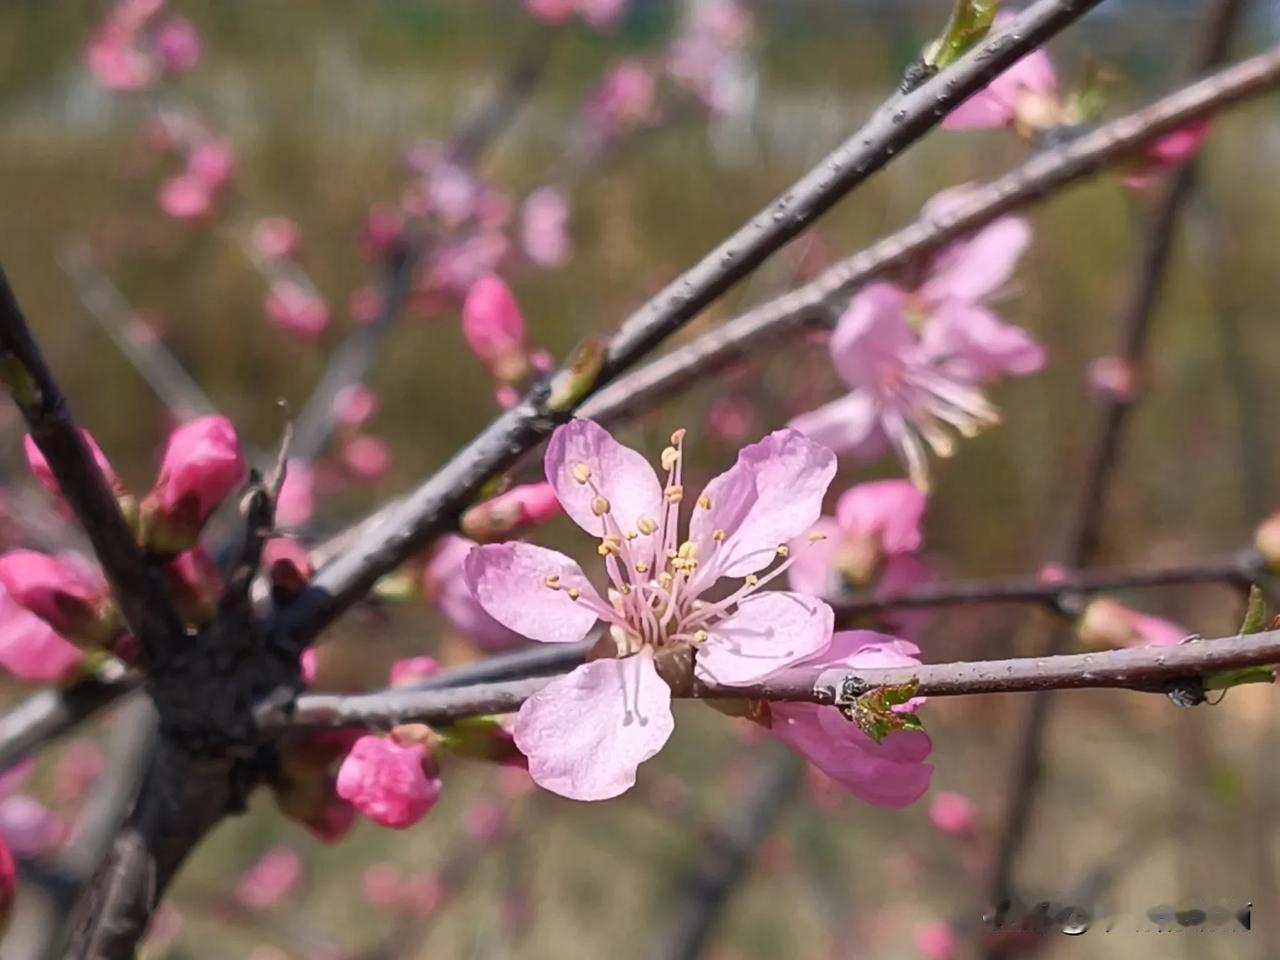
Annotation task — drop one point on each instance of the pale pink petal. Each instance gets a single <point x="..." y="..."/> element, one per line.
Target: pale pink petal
<point x="985" y="110"/>
<point x="850" y="425"/>
<point x="872" y="335"/>
<point x="772" y="495"/>
<point x="32" y="650"/>
<point x="973" y="345"/>
<point x="891" y="511"/>
<point x="768" y="631"/>
<point x="585" y="734"/>
<point x="812" y="570"/>
<point x="996" y="105"/>
<point x="511" y="582"/>
<point x="977" y="266"/>
<point x="617" y="473"/>
<point x="899" y="573"/>
<point x="444" y="583"/>
<point x="890" y="773"/>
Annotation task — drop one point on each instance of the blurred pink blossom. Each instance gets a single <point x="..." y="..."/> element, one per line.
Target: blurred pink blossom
<point x="32" y="650"/>
<point x="953" y="813"/>
<point x="41" y="471"/>
<point x="410" y="670"/>
<point x="625" y="98"/>
<point x="936" y="940"/>
<point x="1108" y="623"/>
<point x="185" y="197"/>
<point x="366" y="457"/>
<point x="494" y="329"/>
<point x="296" y="503"/>
<point x="270" y="879"/>
<point x="28" y="826"/>
<point x="544" y="222"/>
<point x="177" y="45"/>
<point x="1114" y="376"/>
<point x="298" y="309"/>
<point x="445" y="585"/>
<point x="276" y="238"/>
<point x="1167" y="153"/>
<point x="354" y="404"/>
<point x="67" y="594"/>
<point x="1025" y="95"/>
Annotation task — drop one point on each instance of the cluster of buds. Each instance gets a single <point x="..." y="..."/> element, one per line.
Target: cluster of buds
<point x="138" y="43"/>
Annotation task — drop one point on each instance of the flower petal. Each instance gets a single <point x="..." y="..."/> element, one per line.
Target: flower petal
<point x="510" y="582"/>
<point x="973" y="345"/>
<point x="890" y="773"/>
<point x="889" y="510"/>
<point x="770" y="496"/>
<point x="976" y="266"/>
<point x="768" y="631"/>
<point x="872" y="336"/>
<point x="618" y="473"/>
<point x="585" y="734"/>
<point x="813" y="571"/>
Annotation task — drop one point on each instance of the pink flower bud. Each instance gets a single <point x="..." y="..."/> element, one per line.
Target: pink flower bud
<point x="1114" y="376"/>
<point x="195" y="584"/>
<point x="296" y="502"/>
<point x="288" y="567"/>
<point x="185" y="197"/>
<point x="936" y="940"/>
<point x="212" y="162"/>
<point x="364" y="304"/>
<point x="269" y="880"/>
<point x="953" y="813"/>
<point x="550" y="11"/>
<point x="354" y="404"/>
<point x="294" y="308"/>
<point x="70" y="598"/>
<point x="1167" y="153"/>
<point x="411" y="670"/>
<point x="388" y="782"/>
<point x="366" y="457"/>
<point x="32" y="650"/>
<point x="1108" y="623"/>
<point x="117" y="66"/>
<point x="202" y="464"/>
<point x="177" y="45"/>
<point x="382" y="234"/>
<point x="544" y="228"/>
<point x="494" y="328"/>
<point x="304" y="787"/>
<point x="40" y="466"/>
<point x="518" y="508"/>
<point x="276" y="238"/>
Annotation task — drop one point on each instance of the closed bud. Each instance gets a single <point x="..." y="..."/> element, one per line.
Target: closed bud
<point x="202" y="464"/>
<point x="517" y="509"/>
<point x="288" y="568"/>
<point x="392" y="783"/>
<point x="69" y="597"/>
<point x="494" y="329"/>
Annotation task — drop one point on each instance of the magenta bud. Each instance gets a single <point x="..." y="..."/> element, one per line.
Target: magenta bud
<point x="202" y="464"/>
<point x="70" y="598"/>
<point x="391" y="781"/>
<point x="288" y="567"/>
<point x="494" y="329"/>
<point x="523" y="506"/>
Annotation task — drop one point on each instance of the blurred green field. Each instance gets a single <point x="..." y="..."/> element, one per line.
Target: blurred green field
<point x="320" y="98"/>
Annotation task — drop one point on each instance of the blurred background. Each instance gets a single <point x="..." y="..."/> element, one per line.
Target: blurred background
<point x="330" y="110"/>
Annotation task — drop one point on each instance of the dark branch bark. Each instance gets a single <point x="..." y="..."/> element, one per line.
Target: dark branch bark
<point x="435" y="505"/>
<point x="139" y="590"/>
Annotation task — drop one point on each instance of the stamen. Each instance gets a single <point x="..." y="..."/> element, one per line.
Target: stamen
<point x="646" y="524"/>
<point x="599" y="506"/>
<point x="700" y="636"/>
<point x="669" y="457"/>
<point x="751" y="579"/>
<point x="718" y="536"/>
<point x="783" y="550"/>
<point x="581" y="472"/>
<point x="816" y="536"/>
<point x="704" y="502"/>
<point x="674" y="493"/>
<point x="642" y="567"/>
<point x="552" y="581"/>
<point x="574" y="593"/>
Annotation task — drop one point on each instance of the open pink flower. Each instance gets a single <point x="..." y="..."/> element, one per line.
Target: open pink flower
<point x="914" y="360"/>
<point x="445" y="585"/>
<point x="388" y="781"/>
<point x="1025" y="96"/>
<point x="585" y="734"/>
<point x="68" y="595"/>
<point x="202" y="464"/>
<point x="270" y="879"/>
<point x="32" y="650"/>
<point x="1109" y="623"/>
<point x="1167" y="153"/>
<point x="890" y="773"/>
<point x="494" y="329"/>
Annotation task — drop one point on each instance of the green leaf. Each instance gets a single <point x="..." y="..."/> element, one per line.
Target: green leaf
<point x="1255" y="615"/>
<point x="1234" y="678"/>
<point x="874" y="714"/>
<point x="970" y="21"/>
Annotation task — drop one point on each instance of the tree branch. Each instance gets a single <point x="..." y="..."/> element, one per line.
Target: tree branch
<point x="435" y="505"/>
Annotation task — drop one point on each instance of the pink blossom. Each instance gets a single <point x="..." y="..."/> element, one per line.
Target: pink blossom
<point x="1109" y="623"/>
<point x="202" y="464"/>
<point x="66" y="594"/>
<point x="185" y="197"/>
<point x="366" y="457"/>
<point x="354" y="404"/>
<point x="296" y="502"/>
<point x="458" y="266"/>
<point x="624" y="99"/>
<point x="32" y="650"/>
<point x="364" y="304"/>
<point x="585" y="734"/>
<point x="520" y="507"/>
<point x="117" y="66"/>
<point x="601" y="13"/>
<point x="875" y="523"/>
<point x="295" y="308"/>
<point x="270" y="880"/>
<point x="890" y="773"/>
<point x="288" y="567"/>
<point x="1025" y="95"/>
<point x="423" y="893"/>
<point x="28" y="827"/>
<point x="914" y="360"/>
<point x="494" y="328"/>
<point x="213" y="162"/>
<point x="177" y="45"/>
<point x="1167" y="153"/>
<point x="412" y="670"/>
<point x="1114" y="376"/>
<point x="552" y="11"/>
<point x="544" y="222"/>
<point x="276" y="238"/>
<point x="936" y="940"/>
<point x="953" y="813"/>
<point x="40" y="466"/>
<point x="444" y="584"/>
<point x="382" y="233"/>
<point x="387" y="781"/>
<point x="452" y="191"/>
<point x="707" y="55"/>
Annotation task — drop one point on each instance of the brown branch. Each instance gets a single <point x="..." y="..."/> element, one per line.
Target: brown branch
<point x="1145" y="669"/>
<point x="48" y="714"/>
<point x="816" y="303"/>
<point x="1082" y="543"/>
<point x="435" y="505"/>
<point x="139" y="590"/>
<point x="725" y="857"/>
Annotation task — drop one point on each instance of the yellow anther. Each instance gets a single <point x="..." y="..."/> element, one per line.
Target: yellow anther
<point x="642" y="567"/>
<point x="751" y="579"/>
<point x="646" y="524"/>
<point x="688" y="551"/>
<point x="700" y="636"/>
<point x="581" y="472"/>
<point x="677" y="437"/>
<point x="631" y="535"/>
<point x="574" y="593"/>
<point x="718" y="536"/>
<point x="610" y="544"/>
<point x="783" y="550"/>
<point x="669" y="457"/>
<point x="626" y="590"/>
<point x="704" y="502"/>
<point x="816" y="536"/>
<point x="666" y="580"/>
<point x="599" y="506"/>
<point x="674" y="493"/>
<point x="553" y="581"/>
